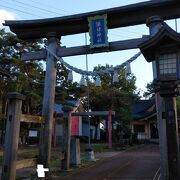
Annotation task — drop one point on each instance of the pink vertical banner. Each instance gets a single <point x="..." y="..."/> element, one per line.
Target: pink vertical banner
<point x="110" y="129"/>
<point x="75" y="131"/>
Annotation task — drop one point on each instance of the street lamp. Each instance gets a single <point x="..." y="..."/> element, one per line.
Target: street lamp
<point x="163" y="49"/>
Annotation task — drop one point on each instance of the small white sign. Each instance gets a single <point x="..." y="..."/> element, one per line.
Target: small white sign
<point x="41" y="170"/>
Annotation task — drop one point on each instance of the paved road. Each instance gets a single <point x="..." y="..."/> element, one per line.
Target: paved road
<point x="136" y="164"/>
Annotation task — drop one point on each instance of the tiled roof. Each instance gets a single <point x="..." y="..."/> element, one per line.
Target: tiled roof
<point x="143" y="109"/>
<point x="58" y="107"/>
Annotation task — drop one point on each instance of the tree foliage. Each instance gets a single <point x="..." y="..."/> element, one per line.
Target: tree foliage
<point x="27" y="77"/>
<point x="24" y="77"/>
<point x="116" y="96"/>
<point x="149" y="93"/>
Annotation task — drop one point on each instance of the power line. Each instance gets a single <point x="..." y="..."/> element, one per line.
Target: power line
<point x="51" y="6"/>
<point x="25" y="12"/>
<point x="136" y="28"/>
<point x="132" y="32"/>
<point x="119" y="35"/>
<point x="39" y="8"/>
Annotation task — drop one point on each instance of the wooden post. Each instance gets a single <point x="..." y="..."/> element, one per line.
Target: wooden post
<point x="75" y="152"/>
<point x="110" y="129"/>
<point x="160" y="110"/>
<point x="12" y="136"/>
<point x="48" y="101"/>
<point x="66" y="137"/>
<point x="155" y="23"/>
<point x="172" y="138"/>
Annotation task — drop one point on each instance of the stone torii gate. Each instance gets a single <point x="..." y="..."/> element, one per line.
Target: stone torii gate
<point x="54" y="28"/>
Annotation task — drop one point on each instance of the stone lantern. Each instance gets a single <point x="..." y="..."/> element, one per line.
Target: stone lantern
<point x="163" y="49"/>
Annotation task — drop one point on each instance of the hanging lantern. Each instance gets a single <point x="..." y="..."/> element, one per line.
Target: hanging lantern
<point x="115" y="77"/>
<point x="83" y="81"/>
<point x="98" y="82"/>
<point x="70" y="76"/>
<point x="128" y="69"/>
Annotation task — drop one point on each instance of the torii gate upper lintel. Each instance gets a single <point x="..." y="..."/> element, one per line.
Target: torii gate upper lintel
<point x="128" y="15"/>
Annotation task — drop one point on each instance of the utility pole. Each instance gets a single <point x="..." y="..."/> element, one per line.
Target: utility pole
<point x="48" y="101"/>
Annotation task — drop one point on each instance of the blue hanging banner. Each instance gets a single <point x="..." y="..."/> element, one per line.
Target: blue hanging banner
<point x="98" y="31"/>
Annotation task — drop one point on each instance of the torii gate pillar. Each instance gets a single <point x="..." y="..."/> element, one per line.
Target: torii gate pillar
<point x="48" y="101"/>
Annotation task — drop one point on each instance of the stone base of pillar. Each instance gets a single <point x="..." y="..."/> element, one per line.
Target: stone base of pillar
<point x="75" y="159"/>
